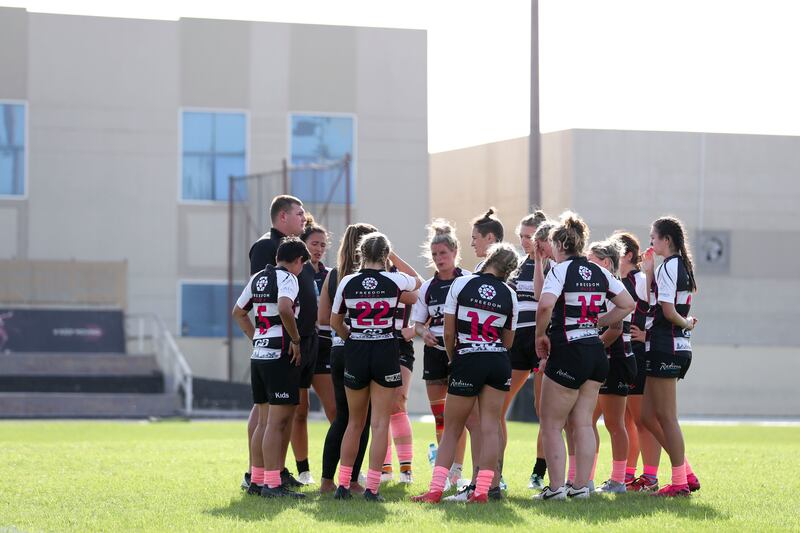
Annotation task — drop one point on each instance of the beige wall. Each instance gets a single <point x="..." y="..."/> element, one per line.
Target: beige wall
<point x="465" y="182"/>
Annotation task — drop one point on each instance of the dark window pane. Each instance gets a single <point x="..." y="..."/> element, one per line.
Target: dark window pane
<point x="197" y="177"/>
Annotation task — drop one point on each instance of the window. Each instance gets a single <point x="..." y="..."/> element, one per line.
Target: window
<point x="321" y="139"/>
<point x="213" y="148"/>
<point x="12" y="149"/>
<point x="205" y="309"/>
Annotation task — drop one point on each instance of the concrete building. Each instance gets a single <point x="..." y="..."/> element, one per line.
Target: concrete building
<point x="116" y="114"/>
<point x="738" y="196"/>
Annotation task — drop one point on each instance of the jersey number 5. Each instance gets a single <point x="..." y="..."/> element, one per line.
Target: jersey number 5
<point x="261" y="320"/>
<point x="382" y="309"/>
<point x="488" y="332"/>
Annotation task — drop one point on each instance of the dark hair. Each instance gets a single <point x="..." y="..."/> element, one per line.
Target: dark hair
<point x="488" y="223"/>
<point x="503" y="258"/>
<point x="311" y="228"/>
<point x="290" y="249"/>
<point x="533" y="220"/>
<point x="571" y="233"/>
<point x="374" y="248"/>
<point x="282" y="203"/>
<point x="349" y="256"/>
<point x="672" y="228"/>
<point x="629" y="243"/>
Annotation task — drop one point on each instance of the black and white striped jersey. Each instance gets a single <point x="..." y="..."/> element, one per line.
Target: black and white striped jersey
<point x="483" y="306"/>
<point x="582" y="288"/>
<point x="672" y="286"/>
<point x="370" y="299"/>
<point x="636" y="284"/>
<point x="333" y="283"/>
<point x="319" y="280"/>
<point x="522" y="282"/>
<point x="261" y="294"/>
<point x="620" y="348"/>
<point x="430" y="304"/>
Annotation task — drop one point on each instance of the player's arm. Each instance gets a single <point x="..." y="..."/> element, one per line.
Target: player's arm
<point x="242" y="319"/>
<point x="286" y="312"/>
<point x="672" y="314"/>
<point x="409" y="297"/>
<point x="450" y="335"/>
<point x="610" y="335"/>
<point x="404" y="267"/>
<point x="324" y="306"/>
<point x="623" y="306"/>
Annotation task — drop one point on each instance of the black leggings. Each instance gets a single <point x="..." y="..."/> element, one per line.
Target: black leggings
<point x="333" y="440"/>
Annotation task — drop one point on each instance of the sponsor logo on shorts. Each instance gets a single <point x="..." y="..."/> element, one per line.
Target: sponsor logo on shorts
<point x="348" y="375"/>
<point x="261" y="283"/>
<point x="586" y="273"/>
<point x="393" y="378"/>
<point x="564" y="375"/>
<point x="487" y="292"/>
<point x="682" y="345"/>
<point x="622" y="386"/>
<point x="458" y="384"/>
<point x="369" y="283"/>
<point x="508" y="382"/>
<point x="282" y="395"/>
<point x="670" y="366"/>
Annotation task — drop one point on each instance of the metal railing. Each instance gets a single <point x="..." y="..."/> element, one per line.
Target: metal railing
<point x="147" y="334"/>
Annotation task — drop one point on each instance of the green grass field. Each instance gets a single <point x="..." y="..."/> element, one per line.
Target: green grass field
<point x="184" y="476"/>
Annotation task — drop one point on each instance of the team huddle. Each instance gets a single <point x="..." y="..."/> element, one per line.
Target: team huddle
<point x="602" y="330"/>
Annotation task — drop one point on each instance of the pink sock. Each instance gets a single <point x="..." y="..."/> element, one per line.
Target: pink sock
<point x="594" y="466"/>
<point x="651" y="471"/>
<point x="689" y="471"/>
<point x="405" y="453"/>
<point x="618" y="471"/>
<point x="571" y="469"/>
<point x="484" y="482"/>
<point x="439" y="478"/>
<point x="630" y="471"/>
<point x="679" y="475"/>
<point x="345" y="473"/>
<point x="388" y="459"/>
<point x="373" y="480"/>
<point x="257" y="475"/>
<point x="401" y="427"/>
<point x="272" y="478"/>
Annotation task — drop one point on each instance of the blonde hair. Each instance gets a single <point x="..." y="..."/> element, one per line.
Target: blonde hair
<point x="543" y="231"/>
<point x="349" y="256"/>
<point x="374" y="248"/>
<point x="502" y="257"/>
<point x="609" y="249"/>
<point x="534" y="220"/>
<point x="571" y="233"/>
<point x="440" y="231"/>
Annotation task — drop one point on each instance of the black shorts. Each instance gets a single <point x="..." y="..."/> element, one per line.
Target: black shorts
<point x="571" y="365"/>
<point x="470" y="372"/>
<point x="309" y="346"/>
<point x="523" y="351"/>
<point x="275" y="381"/>
<point x="366" y="361"/>
<point x="637" y="387"/>
<point x="323" y="363"/>
<point x="406" y="350"/>
<point x="436" y="365"/>
<point x="621" y="372"/>
<point x="667" y="365"/>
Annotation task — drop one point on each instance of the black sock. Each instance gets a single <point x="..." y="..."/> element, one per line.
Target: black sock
<point x="302" y="466"/>
<point x="540" y="467"/>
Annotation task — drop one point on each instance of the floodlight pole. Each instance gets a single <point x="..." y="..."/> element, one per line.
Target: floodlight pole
<point x="534" y="138"/>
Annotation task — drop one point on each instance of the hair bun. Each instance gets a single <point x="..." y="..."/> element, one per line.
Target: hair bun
<point x="309" y="219"/>
<point x="441" y="227"/>
<point x="489" y="212"/>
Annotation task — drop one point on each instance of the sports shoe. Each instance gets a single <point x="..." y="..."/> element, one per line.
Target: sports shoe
<point x="672" y="491"/>
<point x="643" y="484"/>
<point x="253" y="489"/>
<point x="462" y="495"/>
<point x="373" y="496"/>
<point x="536" y="482"/>
<point x="246" y="481"/>
<point x="432" y="496"/>
<point x="578" y="494"/>
<point x="342" y="493"/>
<point x="693" y="482"/>
<point x="406" y="477"/>
<point x="454" y="476"/>
<point x="612" y="487"/>
<point x="495" y="494"/>
<point x="502" y="484"/>
<point x="549" y="494"/>
<point x="478" y="498"/>
<point x="306" y="478"/>
<point x="387" y="476"/>
<point x="280" y="492"/>
<point x="288" y="480"/>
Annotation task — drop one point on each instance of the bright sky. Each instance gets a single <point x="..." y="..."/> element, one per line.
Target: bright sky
<point x="688" y="65"/>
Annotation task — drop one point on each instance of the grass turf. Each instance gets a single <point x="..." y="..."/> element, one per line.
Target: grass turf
<point x="184" y="476"/>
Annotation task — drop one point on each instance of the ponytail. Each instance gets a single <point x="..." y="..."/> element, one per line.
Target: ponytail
<point x="673" y="228"/>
